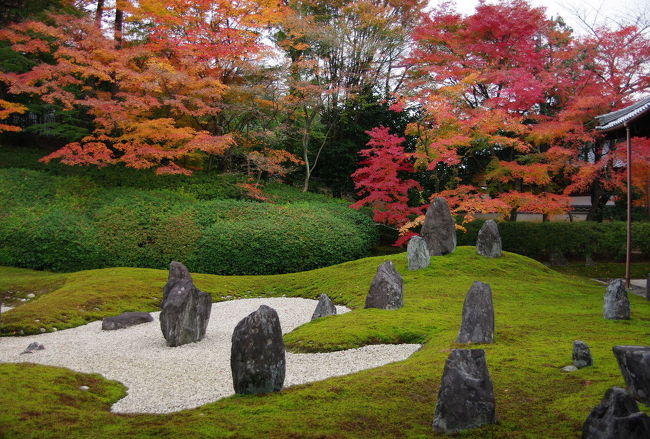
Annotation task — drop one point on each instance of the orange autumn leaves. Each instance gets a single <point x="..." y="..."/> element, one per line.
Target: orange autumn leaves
<point x="151" y="100"/>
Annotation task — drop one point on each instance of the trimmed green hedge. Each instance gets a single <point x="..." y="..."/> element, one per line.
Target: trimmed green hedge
<point x="575" y="240"/>
<point x="72" y="223"/>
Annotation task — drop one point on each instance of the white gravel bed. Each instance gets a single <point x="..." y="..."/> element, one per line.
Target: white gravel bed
<point x="161" y="379"/>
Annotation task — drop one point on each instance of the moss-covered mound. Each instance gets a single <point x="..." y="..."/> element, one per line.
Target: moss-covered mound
<point x="538" y="315"/>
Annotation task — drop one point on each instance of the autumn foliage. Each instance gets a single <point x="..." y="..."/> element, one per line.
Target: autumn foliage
<point x="508" y="99"/>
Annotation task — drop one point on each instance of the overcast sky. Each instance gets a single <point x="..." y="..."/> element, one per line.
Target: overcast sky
<point x="600" y="10"/>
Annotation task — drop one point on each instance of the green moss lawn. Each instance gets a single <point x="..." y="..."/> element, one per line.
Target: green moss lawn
<point x="539" y="313"/>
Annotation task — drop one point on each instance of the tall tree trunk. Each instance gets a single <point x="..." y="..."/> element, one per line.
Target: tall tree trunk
<point x="599" y="198"/>
<point x="118" y="25"/>
<point x="99" y="13"/>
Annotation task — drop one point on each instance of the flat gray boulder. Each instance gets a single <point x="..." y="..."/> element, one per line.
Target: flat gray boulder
<point x="439" y="228"/>
<point x="185" y="314"/>
<point x="478" y="315"/>
<point x="125" y="320"/>
<point x="257" y="356"/>
<point x="488" y="242"/>
<point x="634" y="362"/>
<point x="386" y="290"/>
<point x="177" y="272"/>
<point x="581" y="354"/>
<point x="466" y="396"/>
<point x="617" y="305"/>
<point x="417" y="253"/>
<point x="616" y="417"/>
<point x="324" y="308"/>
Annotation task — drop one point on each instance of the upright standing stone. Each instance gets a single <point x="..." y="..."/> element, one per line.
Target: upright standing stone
<point x="581" y="354"/>
<point x="466" y="396"/>
<point x="478" y="315"/>
<point x="647" y="287"/>
<point x="488" y="242"/>
<point x="257" y="357"/>
<point x="386" y="290"/>
<point x="557" y="259"/>
<point x="634" y="362"/>
<point x="324" y="308"/>
<point x="418" y="253"/>
<point x="185" y="313"/>
<point x="177" y="272"/>
<point x="439" y="229"/>
<point x="617" y="305"/>
<point x="616" y="417"/>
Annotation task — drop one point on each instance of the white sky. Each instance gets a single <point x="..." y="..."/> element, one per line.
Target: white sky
<point x="595" y="11"/>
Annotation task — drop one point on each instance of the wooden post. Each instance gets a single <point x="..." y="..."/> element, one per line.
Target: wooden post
<point x="628" y="250"/>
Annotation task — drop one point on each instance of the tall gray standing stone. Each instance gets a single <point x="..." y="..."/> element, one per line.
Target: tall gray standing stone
<point x="478" y="315"/>
<point x="466" y="396"/>
<point x="386" y="290"/>
<point x="616" y="417"/>
<point x="439" y="228"/>
<point x="488" y="242"/>
<point x="634" y="362"/>
<point x="324" y="308"/>
<point x="185" y="314"/>
<point x="418" y="253"/>
<point x="617" y="305"/>
<point x="257" y="356"/>
<point x="581" y="354"/>
<point x="177" y="272"/>
<point x="647" y="287"/>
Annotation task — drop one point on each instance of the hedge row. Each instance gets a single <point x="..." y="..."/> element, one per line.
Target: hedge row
<point x="68" y="224"/>
<point x="575" y="240"/>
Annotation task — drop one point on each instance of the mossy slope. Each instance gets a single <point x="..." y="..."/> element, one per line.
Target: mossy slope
<point x="538" y="314"/>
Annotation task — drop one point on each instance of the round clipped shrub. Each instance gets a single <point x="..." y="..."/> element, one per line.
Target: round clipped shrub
<point x="254" y="238"/>
<point x="146" y="228"/>
<point x="50" y="238"/>
<point x="72" y="223"/>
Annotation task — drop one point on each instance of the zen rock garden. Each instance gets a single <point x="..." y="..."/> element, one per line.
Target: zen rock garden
<point x="466" y="397"/>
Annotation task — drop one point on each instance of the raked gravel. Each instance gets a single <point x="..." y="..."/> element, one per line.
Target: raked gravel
<point x="161" y="379"/>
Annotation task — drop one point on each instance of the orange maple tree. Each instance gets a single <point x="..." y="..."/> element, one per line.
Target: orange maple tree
<point x="153" y="100"/>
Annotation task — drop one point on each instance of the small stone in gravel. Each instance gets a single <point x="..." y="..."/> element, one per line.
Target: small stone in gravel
<point x="617" y="305"/>
<point x="488" y="242"/>
<point x="84" y="388"/>
<point x="634" y="362"/>
<point x="466" y="396"/>
<point x="324" y="308"/>
<point x="257" y="356"/>
<point x="569" y="368"/>
<point x="125" y="320"/>
<point x="439" y="228"/>
<point x="417" y="253"/>
<point x="386" y="290"/>
<point x="581" y="354"/>
<point x="34" y="346"/>
<point x="185" y="314"/>
<point x="616" y="417"/>
<point x="478" y="315"/>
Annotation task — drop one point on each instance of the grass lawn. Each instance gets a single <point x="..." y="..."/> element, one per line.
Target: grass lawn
<point x="539" y="312"/>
